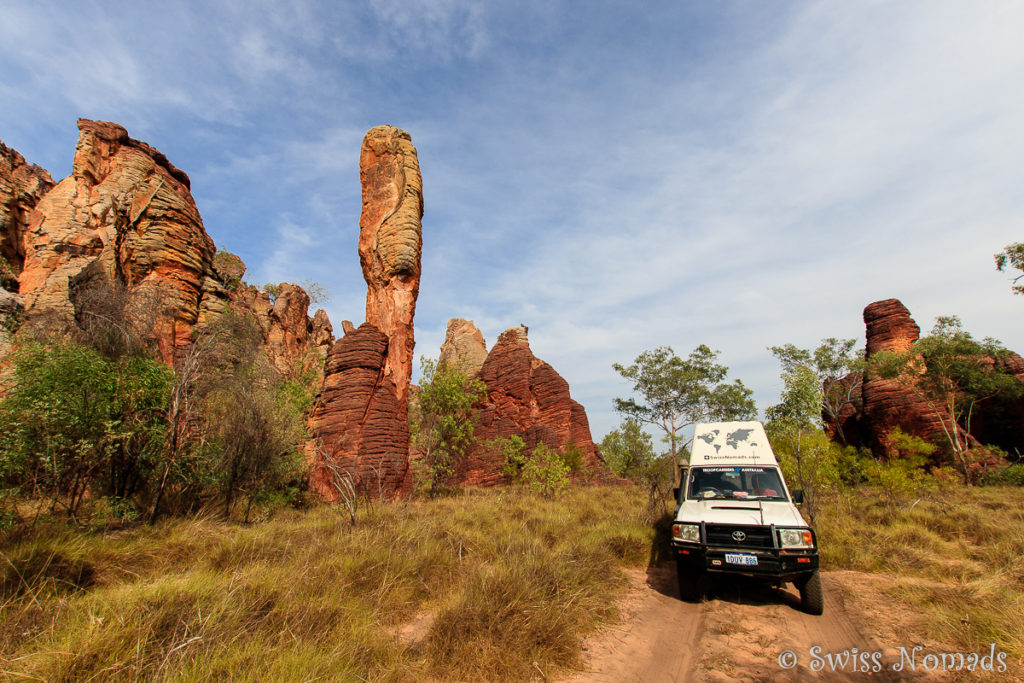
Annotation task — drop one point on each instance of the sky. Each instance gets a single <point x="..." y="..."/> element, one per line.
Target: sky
<point x="618" y="176"/>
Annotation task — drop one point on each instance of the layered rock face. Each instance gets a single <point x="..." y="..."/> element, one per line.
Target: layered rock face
<point x="22" y="185"/>
<point x="360" y="427"/>
<point x="294" y="340"/>
<point x="125" y="221"/>
<point x="526" y="398"/>
<point x="128" y="209"/>
<point x="391" y="243"/>
<point x="886" y="404"/>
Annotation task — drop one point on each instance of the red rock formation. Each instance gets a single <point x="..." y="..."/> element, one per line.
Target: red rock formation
<point x="129" y="209"/>
<point x="360" y="426"/>
<point x="886" y="404"/>
<point x="22" y="185"/>
<point x="526" y="398"/>
<point x="390" y="243"/>
<point x="125" y="218"/>
<point x="463" y="347"/>
<point x="293" y="340"/>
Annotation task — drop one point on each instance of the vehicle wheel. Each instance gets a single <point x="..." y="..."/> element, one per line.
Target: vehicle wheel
<point x="692" y="583"/>
<point x="811" y="598"/>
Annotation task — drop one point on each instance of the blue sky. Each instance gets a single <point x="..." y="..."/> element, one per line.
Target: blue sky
<point x="617" y="176"/>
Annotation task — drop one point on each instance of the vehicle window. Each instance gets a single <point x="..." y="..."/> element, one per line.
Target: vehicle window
<point x="752" y="483"/>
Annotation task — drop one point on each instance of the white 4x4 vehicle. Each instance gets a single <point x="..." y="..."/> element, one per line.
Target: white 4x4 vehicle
<point x="735" y="516"/>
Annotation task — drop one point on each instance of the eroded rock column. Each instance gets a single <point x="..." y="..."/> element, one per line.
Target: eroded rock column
<point x="391" y="244"/>
<point x="360" y="424"/>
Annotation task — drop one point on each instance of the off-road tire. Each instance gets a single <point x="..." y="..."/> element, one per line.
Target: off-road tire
<point x="812" y="600"/>
<point x="692" y="583"/>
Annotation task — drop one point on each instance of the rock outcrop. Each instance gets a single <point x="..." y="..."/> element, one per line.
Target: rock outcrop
<point x="463" y="347"/>
<point x="124" y="225"/>
<point x="885" y="405"/>
<point x="128" y="209"/>
<point x="294" y="340"/>
<point x="360" y="427"/>
<point x="526" y="398"/>
<point x="22" y="185"/>
<point x="391" y="243"/>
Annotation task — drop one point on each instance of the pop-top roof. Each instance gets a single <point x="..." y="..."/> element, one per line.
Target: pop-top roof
<point x="727" y="443"/>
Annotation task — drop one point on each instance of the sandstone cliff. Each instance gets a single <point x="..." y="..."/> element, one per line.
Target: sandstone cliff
<point x="22" y="185"/>
<point x="125" y="223"/>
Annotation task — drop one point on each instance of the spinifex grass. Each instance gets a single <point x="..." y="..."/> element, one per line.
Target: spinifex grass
<point x="509" y="582"/>
<point x="956" y="559"/>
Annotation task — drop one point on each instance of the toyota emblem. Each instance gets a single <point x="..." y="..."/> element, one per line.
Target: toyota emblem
<point x="739" y="536"/>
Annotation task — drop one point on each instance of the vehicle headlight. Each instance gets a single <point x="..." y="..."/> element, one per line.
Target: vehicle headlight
<point x="688" y="533"/>
<point x="796" y="538"/>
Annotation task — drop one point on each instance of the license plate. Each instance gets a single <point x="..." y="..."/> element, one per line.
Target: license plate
<point x="737" y="558"/>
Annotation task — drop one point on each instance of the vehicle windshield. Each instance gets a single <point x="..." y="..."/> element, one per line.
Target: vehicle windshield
<point x="742" y="483"/>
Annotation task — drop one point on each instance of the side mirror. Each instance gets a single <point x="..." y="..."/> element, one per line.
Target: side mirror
<point x="675" y="493"/>
<point x="798" y="496"/>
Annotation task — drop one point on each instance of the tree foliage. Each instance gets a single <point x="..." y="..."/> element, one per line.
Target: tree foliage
<point x="442" y="421"/>
<point x="674" y="393"/>
<point x="952" y="373"/>
<point x="804" y="450"/>
<point x="839" y="369"/>
<point x="76" y="421"/>
<point x="629" y="452"/>
<point x="1013" y="257"/>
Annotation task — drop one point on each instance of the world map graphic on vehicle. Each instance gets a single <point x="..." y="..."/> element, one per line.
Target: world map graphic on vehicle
<point x="734" y="438"/>
<point x="709" y="436"/>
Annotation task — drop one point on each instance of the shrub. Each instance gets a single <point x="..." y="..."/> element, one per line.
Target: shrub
<point x="442" y="420"/>
<point x="545" y="471"/>
<point x="76" y="421"/>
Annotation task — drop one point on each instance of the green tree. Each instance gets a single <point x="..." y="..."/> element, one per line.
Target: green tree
<point x="76" y="422"/>
<point x="442" y="420"/>
<point x="793" y="426"/>
<point x="629" y="452"/>
<point x="839" y="369"/>
<point x="952" y="373"/>
<point x="1012" y="256"/>
<point x="675" y="393"/>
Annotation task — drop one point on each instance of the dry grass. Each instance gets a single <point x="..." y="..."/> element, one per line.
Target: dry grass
<point x="514" y="582"/>
<point x="956" y="559"/>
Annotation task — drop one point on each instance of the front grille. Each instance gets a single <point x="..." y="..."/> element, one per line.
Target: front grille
<point x="721" y="535"/>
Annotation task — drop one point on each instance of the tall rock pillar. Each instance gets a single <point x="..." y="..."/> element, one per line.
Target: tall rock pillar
<point x="391" y="243"/>
<point x="360" y="423"/>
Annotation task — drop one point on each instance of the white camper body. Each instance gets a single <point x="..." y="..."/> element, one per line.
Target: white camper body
<point x="735" y="514"/>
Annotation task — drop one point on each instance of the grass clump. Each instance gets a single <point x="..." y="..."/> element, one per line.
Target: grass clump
<point x="955" y="559"/>
<point x="500" y="579"/>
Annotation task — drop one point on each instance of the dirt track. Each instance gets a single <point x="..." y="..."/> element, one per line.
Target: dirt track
<point x="740" y="633"/>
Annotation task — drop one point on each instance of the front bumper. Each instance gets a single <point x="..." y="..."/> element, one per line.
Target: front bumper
<point x="776" y="564"/>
